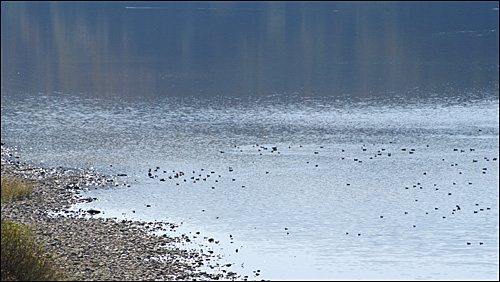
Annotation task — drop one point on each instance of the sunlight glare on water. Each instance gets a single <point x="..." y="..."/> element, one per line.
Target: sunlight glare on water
<point x="342" y="190"/>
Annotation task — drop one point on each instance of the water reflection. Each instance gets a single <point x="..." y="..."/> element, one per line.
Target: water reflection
<point x="241" y="49"/>
<point x="139" y="85"/>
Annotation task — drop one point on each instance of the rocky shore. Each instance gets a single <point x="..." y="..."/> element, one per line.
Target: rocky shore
<point x="89" y="248"/>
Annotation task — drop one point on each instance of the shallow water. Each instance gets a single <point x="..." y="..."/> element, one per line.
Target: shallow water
<point x="353" y="190"/>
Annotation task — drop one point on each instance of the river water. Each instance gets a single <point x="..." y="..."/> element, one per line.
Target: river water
<point x="311" y="141"/>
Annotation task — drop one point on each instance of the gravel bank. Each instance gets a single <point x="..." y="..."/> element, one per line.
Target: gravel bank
<point x="94" y="248"/>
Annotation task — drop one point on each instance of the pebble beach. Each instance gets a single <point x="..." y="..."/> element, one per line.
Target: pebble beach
<point x="91" y="248"/>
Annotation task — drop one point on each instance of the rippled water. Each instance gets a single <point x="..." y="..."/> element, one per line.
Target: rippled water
<point x="296" y="126"/>
<point x="353" y="188"/>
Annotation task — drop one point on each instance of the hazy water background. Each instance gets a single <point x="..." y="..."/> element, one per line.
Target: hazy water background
<point x="336" y="87"/>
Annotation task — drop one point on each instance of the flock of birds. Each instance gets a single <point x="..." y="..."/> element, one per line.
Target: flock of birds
<point x="479" y="165"/>
<point x="212" y="178"/>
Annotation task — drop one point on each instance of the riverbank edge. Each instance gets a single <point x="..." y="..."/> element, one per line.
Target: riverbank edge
<point x="89" y="248"/>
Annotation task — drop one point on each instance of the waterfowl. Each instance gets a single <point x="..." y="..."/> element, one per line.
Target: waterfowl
<point x="93" y="212"/>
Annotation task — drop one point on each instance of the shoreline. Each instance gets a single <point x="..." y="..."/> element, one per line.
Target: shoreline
<point x="89" y="248"/>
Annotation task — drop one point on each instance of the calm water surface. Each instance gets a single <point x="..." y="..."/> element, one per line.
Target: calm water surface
<point x="312" y="142"/>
